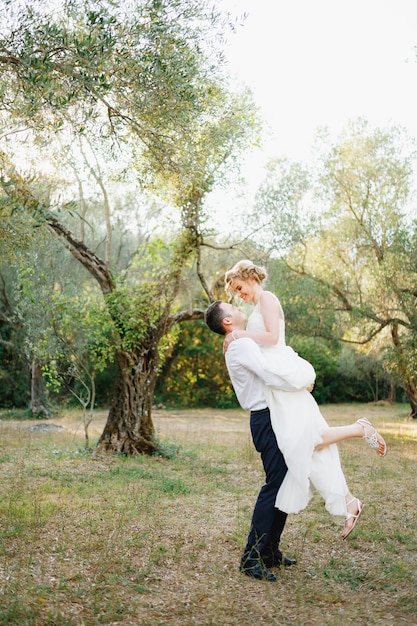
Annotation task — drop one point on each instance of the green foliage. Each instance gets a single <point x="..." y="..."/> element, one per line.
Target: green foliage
<point x="66" y="330"/>
<point x="324" y="359"/>
<point x="133" y="313"/>
<point x="143" y="69"/>
<point x="15" y="414"/>
<point x="166" y="450"/>
<point x="146" y="78"/>
<point x="144" y="293"/>
<point x="194" y="373"/>
<point x="89" y="47"/>
<point x="307" y="302"/>
<point x="348" y="270"/>
<point x="14" y="234"/>
<point x="281" y="212"/>
<point x="343" y="374"/>
<point x="14" y="390"/>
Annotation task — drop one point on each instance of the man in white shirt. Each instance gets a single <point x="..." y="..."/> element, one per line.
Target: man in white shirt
<point x="247" y="370"/>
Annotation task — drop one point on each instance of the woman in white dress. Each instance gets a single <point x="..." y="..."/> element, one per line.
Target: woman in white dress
<point x="304" y="437"/>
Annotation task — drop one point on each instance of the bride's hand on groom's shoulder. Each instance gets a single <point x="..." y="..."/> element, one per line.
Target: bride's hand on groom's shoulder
<point x="235" y="334"/>
<point x="227" y="340"/>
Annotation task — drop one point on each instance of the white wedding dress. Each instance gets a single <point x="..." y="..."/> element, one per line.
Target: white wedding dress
<point x="298" y="424"/>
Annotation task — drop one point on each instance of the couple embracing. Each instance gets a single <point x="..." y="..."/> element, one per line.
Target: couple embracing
<point x="297" y="446"/>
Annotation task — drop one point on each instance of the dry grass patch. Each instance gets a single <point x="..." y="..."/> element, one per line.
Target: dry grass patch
<point x="157" y="541"/>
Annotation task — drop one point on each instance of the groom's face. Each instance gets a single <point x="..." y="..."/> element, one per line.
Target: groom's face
<point x="234" y="315"/>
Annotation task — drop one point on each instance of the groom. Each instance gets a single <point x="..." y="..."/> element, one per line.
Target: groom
<point x="248" y="375"/>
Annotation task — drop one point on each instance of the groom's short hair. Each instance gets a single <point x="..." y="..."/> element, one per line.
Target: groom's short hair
<point x="214" y="316"/>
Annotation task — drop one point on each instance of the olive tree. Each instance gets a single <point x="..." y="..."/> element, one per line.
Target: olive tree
<point x="144" y="78"/>
<point x="352" y="246"/>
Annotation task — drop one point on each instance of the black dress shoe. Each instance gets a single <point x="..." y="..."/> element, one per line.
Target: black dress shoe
<point x="277" y="561"/>
<point x="256" y="569"/>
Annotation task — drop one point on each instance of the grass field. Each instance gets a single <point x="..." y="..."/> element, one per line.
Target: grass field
<point x="157" y="541"/>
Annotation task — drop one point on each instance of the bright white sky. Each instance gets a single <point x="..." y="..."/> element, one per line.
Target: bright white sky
<point x="318" y="63"/>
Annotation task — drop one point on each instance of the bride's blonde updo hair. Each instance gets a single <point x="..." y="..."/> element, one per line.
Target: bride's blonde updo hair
<point x="243" y="270"/>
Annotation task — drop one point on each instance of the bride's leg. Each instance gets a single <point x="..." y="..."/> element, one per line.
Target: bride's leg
<point x="362" y="428"/>
<point x="334" y="434"/>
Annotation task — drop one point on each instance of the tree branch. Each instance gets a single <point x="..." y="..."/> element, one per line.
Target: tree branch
<point x="185" y="316"/>
<point x="7" y="344"/>
<point x="79" y="250"/>
<point x="17" y="189"/>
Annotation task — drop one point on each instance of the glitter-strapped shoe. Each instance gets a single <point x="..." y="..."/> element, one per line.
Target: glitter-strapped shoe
<point x="375" y="440"/>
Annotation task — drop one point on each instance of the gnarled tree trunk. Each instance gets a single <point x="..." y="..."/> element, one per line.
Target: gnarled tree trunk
<point x="409" y="383"/>
<point x="410" y="389"/>
<point x="36" y="387"/>
<point x="129" y="428"/>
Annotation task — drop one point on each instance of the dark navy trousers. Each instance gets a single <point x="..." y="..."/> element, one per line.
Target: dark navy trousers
<point x="267" y="521"/>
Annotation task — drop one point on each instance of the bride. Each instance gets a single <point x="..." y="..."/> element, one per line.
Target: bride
<point x="304" y="437"/>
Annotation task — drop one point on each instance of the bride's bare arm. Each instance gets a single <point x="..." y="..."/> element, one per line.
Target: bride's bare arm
<point x="271" y="312"/>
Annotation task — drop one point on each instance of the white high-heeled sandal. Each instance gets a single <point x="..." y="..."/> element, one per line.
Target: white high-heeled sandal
<point x="354" y="516"/>
<point x="372" y="440"/>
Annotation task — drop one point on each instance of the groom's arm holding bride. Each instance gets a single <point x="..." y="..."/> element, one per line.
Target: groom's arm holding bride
<point x="245" y="355"/>
<point x="245" y="362"/>
<point x="289" y="371"/>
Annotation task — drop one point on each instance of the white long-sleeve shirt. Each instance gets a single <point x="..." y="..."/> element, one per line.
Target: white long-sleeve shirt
<point x="247" y="370"/>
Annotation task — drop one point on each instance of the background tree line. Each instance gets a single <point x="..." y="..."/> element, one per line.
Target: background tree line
<point x="116" y="125"/>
